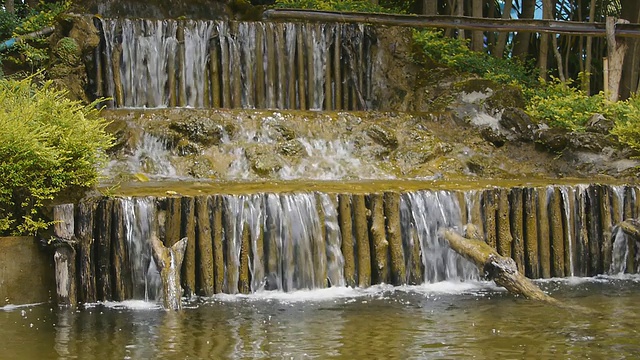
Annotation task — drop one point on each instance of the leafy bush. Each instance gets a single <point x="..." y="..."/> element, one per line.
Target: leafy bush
<point x="455" y="53"/>
<point x="48" y="144"/>
<point x="627" y="125"/>
<point x="561" y="105"/>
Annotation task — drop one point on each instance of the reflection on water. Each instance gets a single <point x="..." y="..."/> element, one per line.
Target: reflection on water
<point x="442" y="320"/>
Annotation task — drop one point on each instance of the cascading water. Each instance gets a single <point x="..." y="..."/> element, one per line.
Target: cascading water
<point x="428" y="214"/>
<point x="140" y="213"/>
<point x="160" y="63"/>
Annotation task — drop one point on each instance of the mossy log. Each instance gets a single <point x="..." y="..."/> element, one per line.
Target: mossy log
<point x="169" y="262"/>
<point x="631" y="227"/>
<point x="502" y="270"/>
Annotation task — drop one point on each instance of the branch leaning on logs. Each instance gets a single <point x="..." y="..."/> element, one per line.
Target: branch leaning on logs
<point x="502" y="270"/>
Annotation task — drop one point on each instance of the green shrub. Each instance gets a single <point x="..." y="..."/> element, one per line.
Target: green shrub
<point x="627" y="125"/>
<point x="562" y="105"/>
<point x="455" y="54"/>
<point x="48" y="144"/>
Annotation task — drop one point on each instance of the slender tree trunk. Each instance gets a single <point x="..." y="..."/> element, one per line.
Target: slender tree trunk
<point x="586" y="85"/>
<point x="477" y="38"/>
<point x="543" y="63"/>
<point x="429" y="7"/>
<point x="522" y="39"/>
<point x="501" y="44"/>
<point x="631" y="67"/>
<point x="460" y="12"/>
<point x="9" y="6"/>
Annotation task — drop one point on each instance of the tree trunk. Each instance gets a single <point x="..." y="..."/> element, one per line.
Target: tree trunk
<point x="616" y="49"/>
<point x="501" y="43"/>
<point x="9" y="6"/>
<point x="477" y="37"/>
<point x="631" y="67"/>
<point x="502" y="270"/>
<point x="543" y="65"/>
<point x="521" y="42"/>
<point x="430" y="7"/>
<point x="586" y="85"/>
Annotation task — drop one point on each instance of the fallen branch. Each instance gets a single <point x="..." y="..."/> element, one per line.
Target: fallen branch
<point x="169" y="262"/>
<point x="502" y="270"/>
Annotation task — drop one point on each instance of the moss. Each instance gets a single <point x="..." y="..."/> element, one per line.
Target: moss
<point x="68" y="51"/>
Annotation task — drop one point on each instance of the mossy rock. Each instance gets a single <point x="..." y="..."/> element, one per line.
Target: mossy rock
<point x="383" y="135"/>
<point x="201" y="130"/>
<point x="291" y="148"/>
<point x="68" y="51"/>
<point x="263" y="160"/>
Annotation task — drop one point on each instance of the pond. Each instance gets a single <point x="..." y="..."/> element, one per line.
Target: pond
<point x="441" y="320"/>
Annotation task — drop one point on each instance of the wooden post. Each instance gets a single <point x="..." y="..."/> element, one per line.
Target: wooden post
<point x="379" y="240"/>
<point x="362" y="240"/>
<point x="188" y="230"/>
<point x="86" y="260"/>
<point x="532" y="264"/>
<point x="64" y="257"/>
<point x="616" y="50"/>
<point x="517" y="227"/>
<point x="346" y="230"/>
<point x="392" y="214"/>
<point x="103" y="250"/>
<point x="557" y="234"/>
<point x="204" y="241"/>
<point x="218" y="249"/>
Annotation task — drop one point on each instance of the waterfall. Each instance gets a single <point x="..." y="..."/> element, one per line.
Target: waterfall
<point x="200" y="63"/>
<point x="429" y="213"/>
<point x="140" y="215"/>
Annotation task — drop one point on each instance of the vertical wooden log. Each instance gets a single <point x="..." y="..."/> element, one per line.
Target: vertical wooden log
<point x="505" y="240"/>
<point x="517" y="227"/>
<point x="337" y="68"/>
<point x="64" y="260"/>
<point x="476" y="211"/>
<point x="244" y="280"/>
<point x="582" y="239"/>
<point x="362" y="240"/>
<point x="103" y="250"/>
<point x="171" y="78"/>
<point x="84" y="220"/>
<point x="531" y="263"/>
<point x="607" y="224"/>
<point x="214" y="74"/>
<point x="260" y="84"/>
<point x="616" y="50"/>
<point x="309" y="27"/>
<point x="594" y="230"/>
<point x="218" y="250"/>
<point x="379" y="240"/>
<point x="490" y="210"/>
<point x="236" y="74"/>
<point x="257" y="258"/>
<point x="346" y="230"/>
<point x="173" y="221"/>
<point x="225" y="65"/>
<point x="121" y="275"/>
<point x="301" y="67"/>
<point x="320" y="248"/>
<point x="271" y="66"/>
<point x="328" y="101"/>
<point x="64" y="257"/>
<point x="569" y="207"/>
<point x="416" y="272"/>
<point x="204" y="241"/>
<point x="182" y="81"/>
<point x="392" y="214"/>
<point x="117" y="77"/>
<point x="629" y="213"/>
<point x="273" y="249"/>
<point x="557" y="233"/>
<point x="544" y="242"/>
<point x="462" y="203"/>
<point x="188" y="230"/>
<point x="282" y="75"/>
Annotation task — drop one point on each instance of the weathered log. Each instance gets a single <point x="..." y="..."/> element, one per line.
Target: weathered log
<point x="188" y="230"/>
<point x="346" y="228"/>
<point x="169" y="261"/>
<point x="204" y="241"/>
<point x="362" y="241"/>
<point x="84" y="219"/>
<point x="380" y="245"/>
<point x="501" y="270"/>
<point x="631" y="227"/>
<point x="392" y="214"/>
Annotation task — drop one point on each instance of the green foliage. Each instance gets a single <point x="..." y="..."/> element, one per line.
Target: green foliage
<point x="455" y="53"/>
<point x="48" y="144"/>
<point x="8" y="22"/>
<point x="627" y="125"/>
<point x="44" y="15"/>
<point x="562" y="105"/>
<point x="336" y="5"/>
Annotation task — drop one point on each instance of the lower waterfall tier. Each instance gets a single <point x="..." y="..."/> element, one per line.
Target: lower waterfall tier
<point x="242" y="243"/>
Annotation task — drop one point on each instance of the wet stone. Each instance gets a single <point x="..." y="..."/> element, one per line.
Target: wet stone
<point x="383" y="135"/>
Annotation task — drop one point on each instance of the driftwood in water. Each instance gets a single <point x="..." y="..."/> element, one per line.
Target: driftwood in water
<point x="169" y="262"/>
<point x="500" y="269"/>
<point x="64" y="257"/>
<point x="631" y="227"/>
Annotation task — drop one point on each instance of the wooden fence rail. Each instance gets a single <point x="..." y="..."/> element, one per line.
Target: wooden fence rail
<point x="457" y="22"/>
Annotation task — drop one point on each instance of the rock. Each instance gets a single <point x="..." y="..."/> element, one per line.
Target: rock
<point x="493" y="136"/>
<point x="68" y="51"/>
<point x="503" y="97"/>
<point x="200" y="130"/>
<point x="202" y="168"/>
<point x="263" y="160"/>
<point x="383" y="135"/>
<point x="286" y="132"/>
<point x="589" y="141"/>
<point x="516" y="122"/>
<point x="599" y="124"/>
<point x="554" y="139"/>
<point x="291" y="148"/>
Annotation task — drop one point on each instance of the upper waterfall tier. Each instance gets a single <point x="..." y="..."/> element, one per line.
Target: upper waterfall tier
<point x="222" y="64"/>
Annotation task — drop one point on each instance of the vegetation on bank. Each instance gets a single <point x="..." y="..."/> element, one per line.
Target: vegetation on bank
<point x="48" y="145"/>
